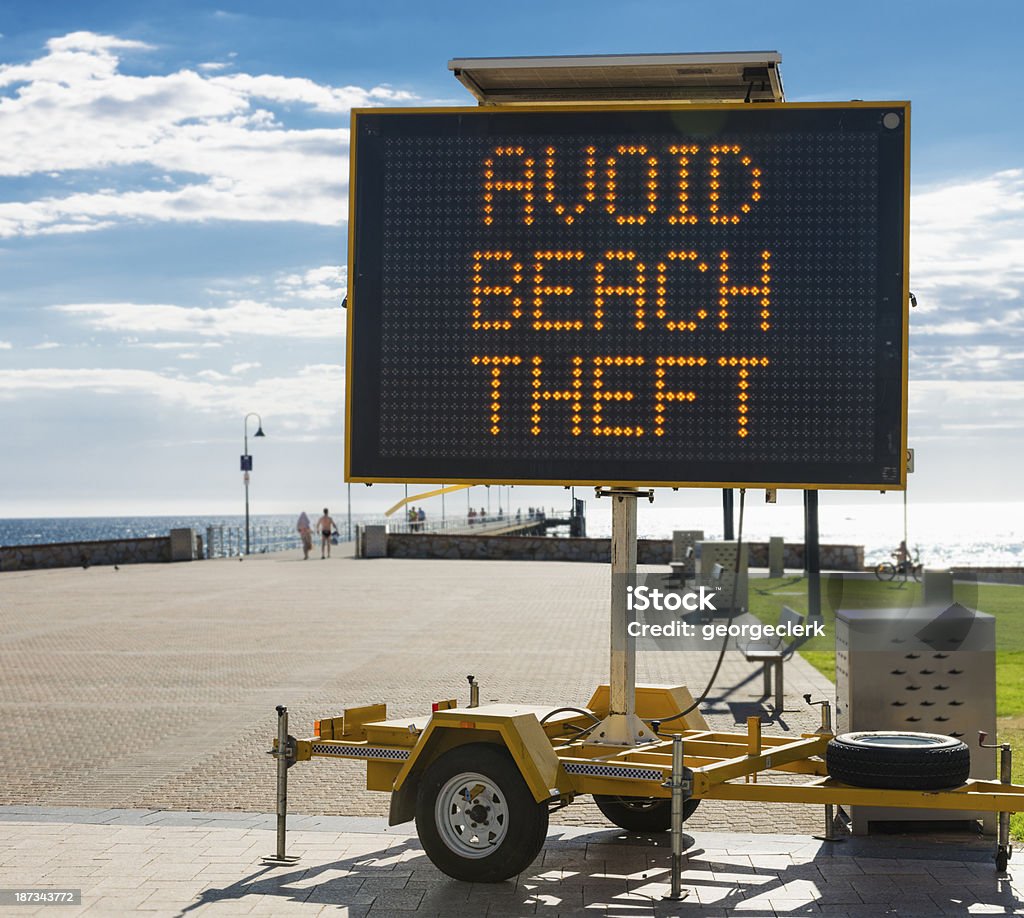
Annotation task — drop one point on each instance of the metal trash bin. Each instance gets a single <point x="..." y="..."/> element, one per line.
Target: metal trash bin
<point x="927" y="670"/>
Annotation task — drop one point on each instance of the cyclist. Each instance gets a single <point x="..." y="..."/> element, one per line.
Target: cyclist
<point x="902" y="556"/>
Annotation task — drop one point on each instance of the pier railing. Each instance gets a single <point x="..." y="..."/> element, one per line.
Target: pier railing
<point x="458" y="524"/>
<point x="228" y="541"/>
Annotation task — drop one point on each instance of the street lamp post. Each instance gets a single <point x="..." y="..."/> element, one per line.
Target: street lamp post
<point x="247" y="464"/>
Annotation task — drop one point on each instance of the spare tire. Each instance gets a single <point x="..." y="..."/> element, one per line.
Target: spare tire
<point x="898" y="760"/>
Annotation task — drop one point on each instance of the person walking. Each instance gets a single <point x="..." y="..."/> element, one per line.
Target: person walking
<point x="325" y="526"/>
<point x="306" y="534"/>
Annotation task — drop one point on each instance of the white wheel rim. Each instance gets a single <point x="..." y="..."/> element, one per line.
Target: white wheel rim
<point x="638" y="803"/>
<point x="901" y="741"/>
<point x="471" y="815"/>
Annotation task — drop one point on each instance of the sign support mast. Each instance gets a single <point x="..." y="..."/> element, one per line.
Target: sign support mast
<point x="622" y="726"/>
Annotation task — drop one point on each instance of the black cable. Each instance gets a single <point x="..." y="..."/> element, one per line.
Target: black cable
<point x="732" y="612"/>
<point x="589" y="714"/>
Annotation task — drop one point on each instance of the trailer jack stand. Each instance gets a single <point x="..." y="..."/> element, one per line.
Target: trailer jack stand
<point x="830" y="826"/>
<point x="284" y="752"/>
<point x="681" y="784"/>
<point x="826" y="730"/>
<point x="1004" y="850"/>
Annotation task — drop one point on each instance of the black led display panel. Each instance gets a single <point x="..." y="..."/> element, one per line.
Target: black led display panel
<point x="631" y="295"/>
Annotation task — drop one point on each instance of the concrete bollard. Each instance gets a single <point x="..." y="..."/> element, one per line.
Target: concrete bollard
<point x="937" y="588"/>
<point x="375" y="541"/>
<point x="183" y="545"/>
<point x="776" y="553"/>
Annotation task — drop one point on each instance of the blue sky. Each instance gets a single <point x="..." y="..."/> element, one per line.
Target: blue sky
<point x="173" y="193"/>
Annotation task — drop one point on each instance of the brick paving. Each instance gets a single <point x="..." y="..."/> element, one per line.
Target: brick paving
<point x="174" y="864"/>
<point x="155" y="685"/>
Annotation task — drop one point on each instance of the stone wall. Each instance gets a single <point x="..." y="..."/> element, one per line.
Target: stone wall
<point x="1011" y="575"/>
<point x="85" y="554"/>
<point x="542" y="548"/>
<point x="497" y="548"/>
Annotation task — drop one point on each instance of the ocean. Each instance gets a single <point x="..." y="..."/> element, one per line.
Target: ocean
<point x="961" y="534"/>
<point x="965" y="534"/>
<point x="268" y="532"/>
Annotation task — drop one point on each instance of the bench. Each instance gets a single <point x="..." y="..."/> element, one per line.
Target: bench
<point x="772" y="652"/>
<point x="680" y="570"/>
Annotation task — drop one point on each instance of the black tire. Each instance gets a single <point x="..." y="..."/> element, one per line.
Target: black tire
<point x="503" y="845"/>
<point x="898" y="760"/>
<point x="1002" y="859"/>
<point x="642" y="814"/>
<point x="885" y="571"/>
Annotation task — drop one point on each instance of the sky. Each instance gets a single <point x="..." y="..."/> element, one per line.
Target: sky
<point x="173" y="232"/>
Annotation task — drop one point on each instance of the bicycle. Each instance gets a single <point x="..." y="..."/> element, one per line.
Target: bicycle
<point x="888" y="570"/>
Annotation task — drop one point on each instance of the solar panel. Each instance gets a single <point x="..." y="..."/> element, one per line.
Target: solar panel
<point x="745" y="76"/>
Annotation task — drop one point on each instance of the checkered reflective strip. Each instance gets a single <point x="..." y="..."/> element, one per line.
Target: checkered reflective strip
<point x="613" y="771"/>
<point x="361" y="752"/>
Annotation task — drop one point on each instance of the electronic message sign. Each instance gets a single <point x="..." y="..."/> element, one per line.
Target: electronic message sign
<point x="688" y="295"/>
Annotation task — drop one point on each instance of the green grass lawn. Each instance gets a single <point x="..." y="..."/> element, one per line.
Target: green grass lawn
<point x="1006" y="603"/>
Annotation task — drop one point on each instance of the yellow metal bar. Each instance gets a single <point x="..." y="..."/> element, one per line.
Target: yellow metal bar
<point x="809" y="766"/>
<point x="357" y="749"/>
<point x="699" y="742"/>
<point x="425" y="495"/>
<point x="708" y="775"/>
<point x="753" y="735"/>
<point x="625" y="483"/>
<point x="973" y="796"/>
<point x="659" y="105"/>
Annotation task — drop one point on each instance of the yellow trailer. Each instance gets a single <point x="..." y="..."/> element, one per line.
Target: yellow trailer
<point x="480" y="781"/>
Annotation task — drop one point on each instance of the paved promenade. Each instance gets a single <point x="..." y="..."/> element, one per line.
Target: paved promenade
<point x="178" y="864"/>
<point x="155" y="685"/>
<point x="138" y="705"/>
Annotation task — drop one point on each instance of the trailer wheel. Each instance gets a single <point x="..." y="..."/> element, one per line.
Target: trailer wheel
<point x="897" y="760"/>
<point x="642" y="814"/>
<point x="475" y="816"/>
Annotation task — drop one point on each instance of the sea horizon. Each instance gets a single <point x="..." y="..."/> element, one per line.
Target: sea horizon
<point x="972" y="533"/>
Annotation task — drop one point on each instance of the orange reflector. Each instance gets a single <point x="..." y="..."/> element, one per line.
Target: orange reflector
<point x="468" y="724"/>
<point x="316" y="728"/>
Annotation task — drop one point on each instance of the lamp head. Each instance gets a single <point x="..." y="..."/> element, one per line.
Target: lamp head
<point x="259" y="432"/>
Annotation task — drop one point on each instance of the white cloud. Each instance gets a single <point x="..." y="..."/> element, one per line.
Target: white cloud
<point x="45" y="346"/>
<point x="967" y="238"/>
<point x="298" y="90"/>
<point x="289" y="399"/>
<point x="324" y="283"/>
<point x="90" y="41"/>
<point x="955" y="408"/>
<point x="5" y="345"/>
<point x="172" y="345"/>
<point x="215" y="149"/>
<point x="240" y="317"/>
<point x="1009" y="321"/>
<point x="967" y="256"/>
<point x="243" y="367"/>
